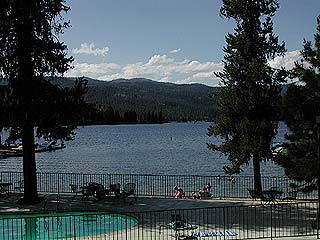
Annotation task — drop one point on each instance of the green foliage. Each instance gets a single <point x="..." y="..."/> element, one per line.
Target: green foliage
<point x="250" y="91"/>
<point x="111" y="116"/>
<point x="30" y="56"/>
<point x="301" y="106"/>
<point x="54" y="110"/>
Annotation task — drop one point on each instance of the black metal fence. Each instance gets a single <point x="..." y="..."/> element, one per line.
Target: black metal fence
<point x="238" y="222"/>
<point x="157" y="185"/>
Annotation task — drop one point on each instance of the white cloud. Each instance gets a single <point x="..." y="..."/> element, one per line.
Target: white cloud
<point x="92" y="70"/>
<point x="167" y="69"/>
<point x="109" y="77"/>
<point x="287" y="61"/>
<point x="157" y="67"/>
<point x="90" y="49"/>
<point x="160" y="59"/>
<point x="204" y="75"/>
<point x="187" y="80"/>
<point x="196" y="66"/>
<point x="175" y="51"/>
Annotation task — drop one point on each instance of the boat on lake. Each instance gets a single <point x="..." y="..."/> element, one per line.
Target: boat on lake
<point x="52" y="146"/>
<point x="278" y="148"/>
<point x="17" y="150"/>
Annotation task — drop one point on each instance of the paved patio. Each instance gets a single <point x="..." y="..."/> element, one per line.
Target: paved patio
<point x="140" y="204"/>
<point x="246" y="218"/>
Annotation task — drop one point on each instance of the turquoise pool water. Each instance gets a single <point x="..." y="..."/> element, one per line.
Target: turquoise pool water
<point x="66" y="225"/>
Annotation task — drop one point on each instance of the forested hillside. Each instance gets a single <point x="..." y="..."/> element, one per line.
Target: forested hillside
<point x="175" y="102"/>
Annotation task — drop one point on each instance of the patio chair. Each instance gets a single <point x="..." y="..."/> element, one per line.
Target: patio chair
<point x="275" y="188"/>
<point x="86" y="192"/>
<point x="115" y="188"/>
<point x="52" y="203"/>
<point x="253" y="195"/>
<point x="19" y="186"/>
<point x="291" y="195"/>
<point x="181" y="227"/>
<point x="128" y="190"/>
<point x="93" y="190"/>
<point x="75" y="189"/>
<point x="176" y="222"/>
<point x="271" y="196"/>
<point x="5" y="189"/>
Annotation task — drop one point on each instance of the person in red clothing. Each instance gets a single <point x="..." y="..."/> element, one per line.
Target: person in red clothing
<point x="178" y="192"/>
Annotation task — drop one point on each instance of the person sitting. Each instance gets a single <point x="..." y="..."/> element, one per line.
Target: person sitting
<point x="115" y="188"/>
<point x="207" y="187"/>
<point x="195" y="195"/>
<point x="233" y="181"/>
<point x="178" y="192"/>
<point x="205" y="192"/>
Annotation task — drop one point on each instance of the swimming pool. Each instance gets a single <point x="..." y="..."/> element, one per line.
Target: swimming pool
<point x="64" y="225"/>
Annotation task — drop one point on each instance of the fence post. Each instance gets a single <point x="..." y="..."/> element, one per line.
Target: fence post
<point x="224" y="222"/>
<point x="318" y="217"/>
<point x="58" y="183"/>
<point x="271" y="221"/>
<point x="194" y="183"/>
<point x="165" y="186"/>
<point x="224" y="187"/>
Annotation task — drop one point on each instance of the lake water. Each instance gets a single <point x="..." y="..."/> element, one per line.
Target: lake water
<point x="172" y="148"/>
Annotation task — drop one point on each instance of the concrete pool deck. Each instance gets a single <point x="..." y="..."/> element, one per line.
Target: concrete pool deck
<point x="69" y="202"/>
<point x="154" y="215"/>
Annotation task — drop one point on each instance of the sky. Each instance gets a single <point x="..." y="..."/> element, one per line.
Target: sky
<point x="178" y="41"/>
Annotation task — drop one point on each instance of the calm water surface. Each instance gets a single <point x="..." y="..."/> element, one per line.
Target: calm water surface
<point x="172" y="148"/>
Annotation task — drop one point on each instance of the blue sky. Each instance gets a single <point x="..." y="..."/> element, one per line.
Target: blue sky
<point x="176" y="41"/>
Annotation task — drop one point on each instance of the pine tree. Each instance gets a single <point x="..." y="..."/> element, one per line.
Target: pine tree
<point x="301" y="108"/>
<point x="250" y="91"/>
<point x="31" y="55"/>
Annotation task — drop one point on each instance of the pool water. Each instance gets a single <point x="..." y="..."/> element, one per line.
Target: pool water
<point x="62" y="225"/>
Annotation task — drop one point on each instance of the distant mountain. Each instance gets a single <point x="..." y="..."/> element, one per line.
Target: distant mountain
<point x="175" y="101"/>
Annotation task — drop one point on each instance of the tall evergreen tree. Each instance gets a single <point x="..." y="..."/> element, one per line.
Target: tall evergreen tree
<point x="250" y="91"/>
<point x="301" y="108"/>
<point x="30" y="55"/>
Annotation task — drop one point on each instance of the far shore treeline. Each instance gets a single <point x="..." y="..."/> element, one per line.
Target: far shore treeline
<point x="144" y="101"/>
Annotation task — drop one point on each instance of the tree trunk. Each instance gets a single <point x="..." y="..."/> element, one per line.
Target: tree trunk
<point x="29" y="164"/>
<point x="318" y="182"/>
<point x="318" y="213"/>
<point x="257" y="174"/>
<point x="24" y="92"/>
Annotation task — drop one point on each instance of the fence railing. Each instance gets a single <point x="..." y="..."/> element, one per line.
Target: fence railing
<point x="157" y="185"/>
<point x="238" y="222"/>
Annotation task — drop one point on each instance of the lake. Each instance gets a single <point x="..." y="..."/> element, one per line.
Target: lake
<point x="171" y="148"/>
